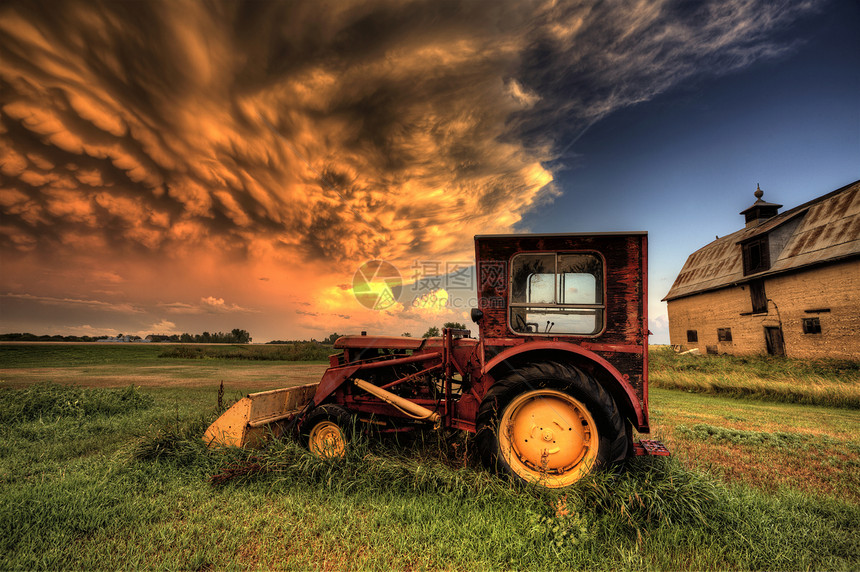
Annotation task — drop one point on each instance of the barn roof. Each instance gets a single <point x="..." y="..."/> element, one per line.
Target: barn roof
<point x="823" y="230"/>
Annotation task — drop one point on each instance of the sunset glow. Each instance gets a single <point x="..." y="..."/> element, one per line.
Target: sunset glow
<point x="180" y="166"/>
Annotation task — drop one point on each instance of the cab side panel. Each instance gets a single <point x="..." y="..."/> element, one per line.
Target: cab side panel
<point x="623" y="342"/>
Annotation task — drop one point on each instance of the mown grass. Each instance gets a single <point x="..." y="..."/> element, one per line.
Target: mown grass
<point x="835" y="383"/>
<point x="766" y="445"/>
<point x="302" y="351"/>
<point x="118" y="365"/>
<point x="42" y="355"/>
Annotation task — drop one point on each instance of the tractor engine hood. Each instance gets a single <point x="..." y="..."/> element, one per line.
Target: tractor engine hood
<point x="386" y="342"/>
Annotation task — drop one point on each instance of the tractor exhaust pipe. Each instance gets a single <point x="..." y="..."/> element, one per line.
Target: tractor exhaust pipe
<point x="408" y="407"/>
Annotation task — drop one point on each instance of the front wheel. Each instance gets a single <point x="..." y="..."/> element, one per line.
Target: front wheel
<point x="325" y="431"/>
<point x="549" y="424"/>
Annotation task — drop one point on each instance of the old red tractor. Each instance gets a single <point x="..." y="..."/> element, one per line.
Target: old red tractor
<point x="553" y="388"/>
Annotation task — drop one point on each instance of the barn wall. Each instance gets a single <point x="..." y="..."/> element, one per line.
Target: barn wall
<point x="835" y="287"/>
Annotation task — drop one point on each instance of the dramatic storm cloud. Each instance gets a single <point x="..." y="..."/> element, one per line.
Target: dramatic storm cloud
<point x="197" y="158"/>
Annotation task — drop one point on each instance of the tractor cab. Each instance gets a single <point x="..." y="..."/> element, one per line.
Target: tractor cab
<point x="587" y="290"/>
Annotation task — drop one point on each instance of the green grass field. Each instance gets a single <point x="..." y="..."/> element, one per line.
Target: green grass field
<point x="834" y="383"/>
<point x="97" y="475"/>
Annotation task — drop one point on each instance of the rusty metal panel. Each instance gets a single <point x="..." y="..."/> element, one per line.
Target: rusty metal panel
<point x="622" y="342"/>
<point x="625" y="278"/>
<point x="383" y="342"/>
<point x="650" y="447"/>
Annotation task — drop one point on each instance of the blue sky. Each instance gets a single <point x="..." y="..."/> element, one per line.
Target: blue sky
<point x="683" y="165"/>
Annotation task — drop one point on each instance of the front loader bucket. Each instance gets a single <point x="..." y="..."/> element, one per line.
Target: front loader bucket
<point x="249" y="421"/>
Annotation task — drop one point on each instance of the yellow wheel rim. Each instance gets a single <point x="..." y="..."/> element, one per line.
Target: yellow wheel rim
<point x="326" y="440"/>
<point x="548" y="437"/>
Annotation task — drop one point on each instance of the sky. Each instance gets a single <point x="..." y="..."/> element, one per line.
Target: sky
<point x="170" y="167"/>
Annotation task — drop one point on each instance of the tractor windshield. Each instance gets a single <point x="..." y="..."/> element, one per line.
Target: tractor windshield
<point x="557" y="294"/>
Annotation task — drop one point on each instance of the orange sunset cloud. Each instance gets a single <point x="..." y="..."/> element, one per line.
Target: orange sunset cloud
<point x="232" y="164"/>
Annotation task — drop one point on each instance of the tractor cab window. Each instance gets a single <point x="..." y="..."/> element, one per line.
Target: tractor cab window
<point x="559" y="294"/>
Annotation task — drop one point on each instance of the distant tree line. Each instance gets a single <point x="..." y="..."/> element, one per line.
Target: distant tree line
<point x="432" y="332"/>
<point x="326" y="341"/>
<point x="235" y="336"/>
<point x="26" y="337"/>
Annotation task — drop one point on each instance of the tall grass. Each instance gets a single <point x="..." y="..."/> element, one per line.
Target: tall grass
<point x="48" y="401"/>
<point x="134" y="486"/>
<point x="656" y="513"/>
<point x="834" y="383"/>
<point x="155" y="497"/>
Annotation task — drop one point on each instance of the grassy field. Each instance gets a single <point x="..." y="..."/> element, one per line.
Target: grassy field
<point x="95" y="474"/>
<point x="119" y="365"/>
<point x="834" y="383"/>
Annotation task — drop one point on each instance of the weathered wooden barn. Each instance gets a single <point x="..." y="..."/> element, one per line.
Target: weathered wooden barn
<point x="786" y="284"/>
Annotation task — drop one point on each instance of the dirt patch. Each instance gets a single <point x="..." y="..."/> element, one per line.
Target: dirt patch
<point x="235" y="376"/>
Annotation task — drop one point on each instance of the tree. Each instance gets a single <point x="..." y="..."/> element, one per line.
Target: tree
<point x="432" y="332"/>
<point x="406" y="335"/>
<point x="331" y="339"/>
<point x="241" y="336"/>
<point x="455" y="326"/>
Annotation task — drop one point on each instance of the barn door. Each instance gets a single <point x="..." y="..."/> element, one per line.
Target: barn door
<point x="773" y="339"/>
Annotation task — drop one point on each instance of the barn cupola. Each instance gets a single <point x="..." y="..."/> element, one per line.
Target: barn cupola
<point x="760" y="210"/>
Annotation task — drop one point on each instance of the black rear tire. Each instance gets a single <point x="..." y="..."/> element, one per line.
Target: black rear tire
<point x="550" y="424"/>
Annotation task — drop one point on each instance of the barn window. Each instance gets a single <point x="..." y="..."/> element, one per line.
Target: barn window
<point x="724" y="334"/>
<point x="756" y="255"/>
<point x="811" y="326"/>
<point x="557" y="294"/>
<point x="692" y="336"/>
<point x="758" y="296"/>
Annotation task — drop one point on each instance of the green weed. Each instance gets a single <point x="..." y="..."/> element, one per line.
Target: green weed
<point x="563" y="528"/>
<point x="48" y="401"/>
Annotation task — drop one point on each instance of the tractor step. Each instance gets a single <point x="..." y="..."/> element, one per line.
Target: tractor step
<point x="651" y="447"/>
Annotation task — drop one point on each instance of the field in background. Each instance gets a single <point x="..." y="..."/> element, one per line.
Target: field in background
<point x="119" y="365"/>
<point x="96" y="475"/>
<point x="834" y="383"/>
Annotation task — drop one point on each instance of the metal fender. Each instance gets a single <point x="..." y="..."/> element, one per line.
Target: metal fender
<point x="632" y="401"/>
